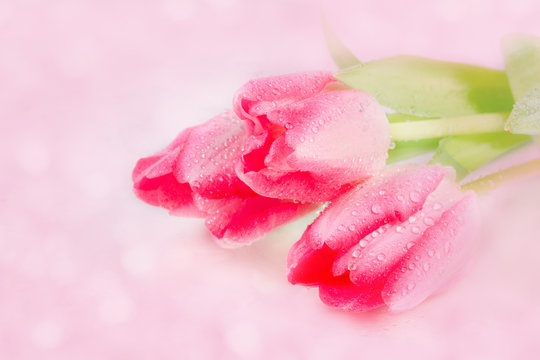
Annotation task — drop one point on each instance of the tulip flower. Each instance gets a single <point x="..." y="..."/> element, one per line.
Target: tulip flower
<point x="308" y="137"/>
<point x="194" y="176"/>
<point x="394" y="239"/>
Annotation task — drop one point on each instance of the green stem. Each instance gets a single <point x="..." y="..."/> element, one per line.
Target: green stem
<point x="437" y="128"/>
<point x="507" y="176"/>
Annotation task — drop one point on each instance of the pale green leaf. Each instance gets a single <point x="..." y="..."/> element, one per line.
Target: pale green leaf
<point x="431" y="88"/>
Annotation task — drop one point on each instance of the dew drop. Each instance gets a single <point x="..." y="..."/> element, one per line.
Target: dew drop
<point x="381" y="257"/>
<point x="426" y="267"/>
<point x="376" y="209"/>
<point x="437" y="206"/>
<point x="414" y="196"/>
<point x="428" y="221"/>
<point x="447" y="247"/>
<point x="354" y="213"/>
<point x="412" y="219"/>
<point x="431" y="252"/>
<point x="400" y="229"/>
<point x="352" y="267"/>
<point x="356" y="252"/>
<point x="412" y="266"/>
<point x="410" y="244"/>
<point x="392" y="145"/>
<point x="415" y="229"/>
<point x="363" y="243"/>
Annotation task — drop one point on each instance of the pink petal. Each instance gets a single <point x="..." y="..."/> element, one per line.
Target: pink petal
<point x="208" y="156"/>
<point x="350" y="297"/>
<point x="326" y="142"/>
<point x="259" y="96"/>
<point x="239" y="220"/>
<point x="296" y="185"/>
<point x="154" y="183"/>
<point x="394" y="195"/>
<point x="343" y="135"/>
<point x="437" y="258"/>
<point x="375" y="256"/>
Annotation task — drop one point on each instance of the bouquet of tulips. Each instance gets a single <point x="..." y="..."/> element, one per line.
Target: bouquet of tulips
<point x="390" y="232"/>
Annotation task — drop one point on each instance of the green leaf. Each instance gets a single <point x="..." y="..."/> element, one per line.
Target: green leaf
<point x="522" y="63"/>
<point x="408" y="149"/>
<point x="342" y="56"/>
<point x="525" y="118"/>
<point x="469" y="152"/>
<point x="431" y="88"/>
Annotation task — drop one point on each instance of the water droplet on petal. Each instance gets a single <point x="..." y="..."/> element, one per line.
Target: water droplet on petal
<point x="400" y="229"/>
<point x="381" y="257"/>
<point x="376" y="209"/>
<point x="431" y="252"/>
<point x="428" y="221"/>
<point x="356" y="252"/>
<point x="426" y="267"/>
<point x="414" y="196"/>
<point x="415" y="229"/>
<point x="363" y="243"/>
<point x="437" y="206"/>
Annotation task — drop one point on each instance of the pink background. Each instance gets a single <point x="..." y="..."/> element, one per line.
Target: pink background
<point x="89" y="272"/>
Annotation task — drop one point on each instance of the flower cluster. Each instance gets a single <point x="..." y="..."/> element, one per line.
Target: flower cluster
<point x="389" y="236"/>
<point x="292" y="142"/>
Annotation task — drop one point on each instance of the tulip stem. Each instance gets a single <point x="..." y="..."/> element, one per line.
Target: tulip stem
<point x="504" y="177"/>
<point x="438" y="128"/>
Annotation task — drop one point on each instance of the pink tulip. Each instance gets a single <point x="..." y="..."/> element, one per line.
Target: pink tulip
<point x="308" y="137"/>
<point x="195" y="176"/>
<point x="394" y="239"/>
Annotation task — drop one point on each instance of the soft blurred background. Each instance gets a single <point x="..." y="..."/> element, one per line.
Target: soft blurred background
<point x="89" y="272"/>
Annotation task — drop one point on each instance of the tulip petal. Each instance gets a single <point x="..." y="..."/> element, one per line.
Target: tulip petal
<point x="350" y="297"/>
<point x="238" y="221"/>
<point x="154" y="183"/>
<point x="331" y="140"/>
<point x="375" y="256"/>
<point x="394" y="195"/>
<point x="436" y="259"/>
<point x="259" y="96"/>
<point x="344" y="134"/>
<point x="207" y="159"/>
